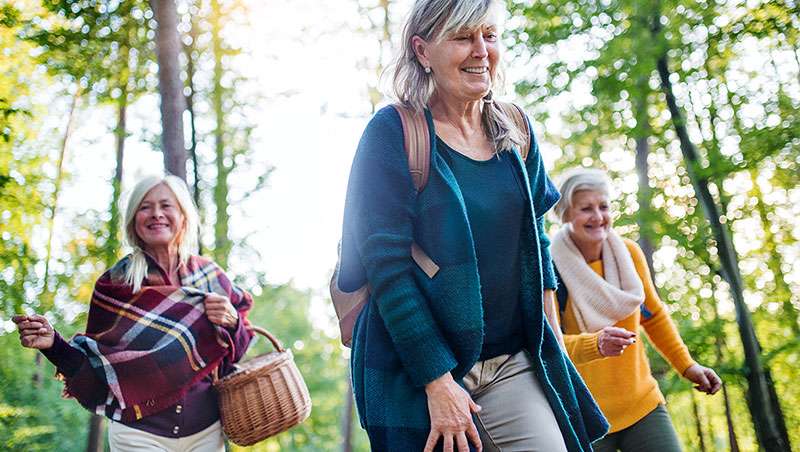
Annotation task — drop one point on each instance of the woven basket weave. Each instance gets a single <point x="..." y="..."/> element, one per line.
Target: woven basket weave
<point x="266" y="395"/>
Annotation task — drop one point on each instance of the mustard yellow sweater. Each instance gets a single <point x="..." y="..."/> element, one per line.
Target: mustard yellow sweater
<point x="622" y="385"/>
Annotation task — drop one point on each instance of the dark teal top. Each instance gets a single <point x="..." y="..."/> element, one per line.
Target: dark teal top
<point x="495" y="201"/>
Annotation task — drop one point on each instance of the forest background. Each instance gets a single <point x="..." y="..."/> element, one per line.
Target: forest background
<point x="691" y="105"/>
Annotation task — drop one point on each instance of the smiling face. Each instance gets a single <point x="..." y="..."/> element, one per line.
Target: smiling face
<point x="463" y="65"/>
<point x="589" y="217"/>
<point x="159" y="221"/>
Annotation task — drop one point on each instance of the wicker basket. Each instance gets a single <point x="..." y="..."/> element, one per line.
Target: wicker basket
<point x="266" y="395"/>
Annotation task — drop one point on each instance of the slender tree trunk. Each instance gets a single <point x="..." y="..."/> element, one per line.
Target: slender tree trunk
<point x="347" y="416"/>
<point x="47" y="295"/>
<point x="95" y="442"/>
<point x="719" y="345"/>
<point x="54" y="201"/>
<point x="222" y="243"/>
<point x="767" y="415"/>
<point x="698" y="425"/>
<point x="190" y="72"/>
<point x="168" y="47"/>
<point x="644" y="194"/>
<point x="121" y="132"/>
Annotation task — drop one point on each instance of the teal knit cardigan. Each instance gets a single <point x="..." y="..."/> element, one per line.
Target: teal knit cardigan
<point x="416" y="328"/>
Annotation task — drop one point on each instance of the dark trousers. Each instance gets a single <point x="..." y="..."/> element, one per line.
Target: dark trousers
<point x="652" y="433"/>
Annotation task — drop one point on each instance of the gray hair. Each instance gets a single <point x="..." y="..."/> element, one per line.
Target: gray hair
<point x="578" y="179"/>
<point x="434" y="20"/>
<point x="136" y="271"/>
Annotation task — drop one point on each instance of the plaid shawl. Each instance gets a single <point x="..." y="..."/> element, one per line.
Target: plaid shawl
<point x="145" y="350"/>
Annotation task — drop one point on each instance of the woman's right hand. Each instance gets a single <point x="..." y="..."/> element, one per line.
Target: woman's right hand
<point x="451" y="408"/>
<point x="612" y="341"/>
<point x="34" y="331"/>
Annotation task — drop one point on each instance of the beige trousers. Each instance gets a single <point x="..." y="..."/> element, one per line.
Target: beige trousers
<point x="515" y="414"/>
<point x="122" y="438"/>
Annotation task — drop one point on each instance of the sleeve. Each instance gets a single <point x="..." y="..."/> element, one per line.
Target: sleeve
<point x="379" y="214"/>
<point x="545" y="195"/>
<point x="241" y="335"/>
<point x="67" y="359"/>
<point x="655" y="318"/>
<point x="582" y="348"/>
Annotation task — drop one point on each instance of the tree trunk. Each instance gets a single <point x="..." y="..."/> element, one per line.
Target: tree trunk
<point x="719" y="345"/>
<point x="94" y="441"/>
<point x="222" y="243"/>
<point x="113" y="245"/>
<point x="644" y="194"/>
<point x="168" y="47"/>
<point x="697" y="423"/>
<point x="347" y="416"/>
<point x="190" y="71"/>
<point x="767" y="415"/>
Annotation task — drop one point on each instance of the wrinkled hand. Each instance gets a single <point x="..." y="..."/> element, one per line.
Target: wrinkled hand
<point x="612" y="341"/>
<point x="705" y="379"/>
<point x="220" y="311"/>
<point x="451" y="408"/>
<point x="34" y="331"/>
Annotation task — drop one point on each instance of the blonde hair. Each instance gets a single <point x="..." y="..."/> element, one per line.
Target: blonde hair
<point x="136" y="270"/>
<point x="578" y="179"/>
<point x="434" y="20"/>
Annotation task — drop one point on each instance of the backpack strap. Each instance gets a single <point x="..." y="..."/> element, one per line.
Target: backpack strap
<point x="518" y="116"/>
<point x="417" y="144"/>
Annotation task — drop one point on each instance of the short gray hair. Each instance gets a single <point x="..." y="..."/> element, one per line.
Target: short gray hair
<point x="434" y="20"/>
<point x="187" y="238"/>
<point x="578" y="179"/>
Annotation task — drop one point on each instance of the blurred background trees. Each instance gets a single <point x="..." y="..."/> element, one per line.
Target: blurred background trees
<point x="690" y="105"/>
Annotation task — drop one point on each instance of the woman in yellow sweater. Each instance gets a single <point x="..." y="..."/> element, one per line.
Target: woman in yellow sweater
<point x="609" y="294"/>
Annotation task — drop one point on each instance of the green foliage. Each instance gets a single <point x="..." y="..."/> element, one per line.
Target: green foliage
<point x="743" y="120"/>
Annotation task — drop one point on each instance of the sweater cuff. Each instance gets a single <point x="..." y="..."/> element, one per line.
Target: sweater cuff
<point x="66" y="359"/>
<point x="588" y="348"/>
<point x="684" y="362"/>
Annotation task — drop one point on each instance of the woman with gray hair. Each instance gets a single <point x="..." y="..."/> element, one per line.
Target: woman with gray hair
<point x="161" y="320"/>
<point x="462" y="357"/>
<point x="607" y="294"/>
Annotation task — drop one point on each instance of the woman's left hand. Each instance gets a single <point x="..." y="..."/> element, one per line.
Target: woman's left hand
<point x="220" y="311"/>
<point x="706" y="379"/>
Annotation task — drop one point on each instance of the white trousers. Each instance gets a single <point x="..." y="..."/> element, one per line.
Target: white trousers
<point x="122" y="438"/>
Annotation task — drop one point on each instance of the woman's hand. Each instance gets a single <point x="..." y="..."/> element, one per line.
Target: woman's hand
<point x="612" y="341"/>
<point x="220" y="311"/>
<point x="451" y="408"/>
<point x="34" y="331"/>
<point x="706" y="379"/>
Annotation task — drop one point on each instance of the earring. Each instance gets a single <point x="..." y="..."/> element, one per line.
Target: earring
<point x="487" y="99"/>
<point x="427" y="70"/>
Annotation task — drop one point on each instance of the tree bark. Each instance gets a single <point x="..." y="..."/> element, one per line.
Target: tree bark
<point x="697" y="423"/>
<point x="190" y="72"/>
<point x="94" y="441"/>
<point x="767" y="416"/>
<point x="347" y="416"/>
<point x="222" y="243"/>
<point x="644" y="193"/>
<point x="168" y="47"/>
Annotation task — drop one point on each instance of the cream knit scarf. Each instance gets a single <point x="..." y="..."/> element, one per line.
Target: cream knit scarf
<point x="598" y="302"/>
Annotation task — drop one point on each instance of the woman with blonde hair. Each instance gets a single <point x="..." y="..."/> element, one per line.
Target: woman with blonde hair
<point x="161" y="320"/>
<point x="461" y="358"/>
<point x="607" y="295"/>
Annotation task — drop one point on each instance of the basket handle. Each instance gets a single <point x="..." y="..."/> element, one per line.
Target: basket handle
<point x="275" y="342"/>
<point x="256" y="329"/>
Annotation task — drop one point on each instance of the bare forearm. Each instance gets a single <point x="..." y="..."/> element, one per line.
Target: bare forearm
<point x="549" y="299"/>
